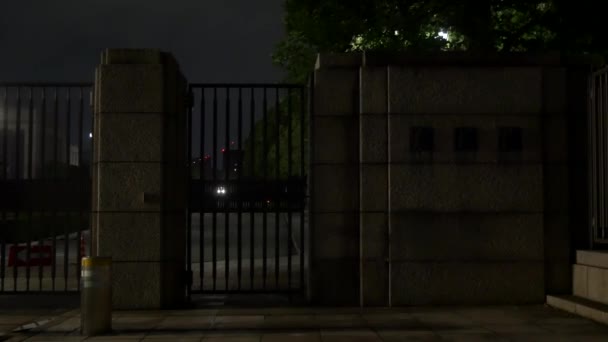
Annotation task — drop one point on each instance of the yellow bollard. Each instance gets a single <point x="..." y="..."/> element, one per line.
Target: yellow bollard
<point x="96" y="296"/>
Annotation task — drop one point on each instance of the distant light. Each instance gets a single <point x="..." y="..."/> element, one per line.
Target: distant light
<point x="234" y="169"/>
<point x="90" y="135"/>
<point x="223" y="150"/>
<point x="443" y="35"/>
<point x="232" y="143"/>
<point x="396" y="33"/>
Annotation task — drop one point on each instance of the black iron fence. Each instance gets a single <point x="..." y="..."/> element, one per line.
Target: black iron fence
<point x="246" y="228"/>
<point x="45" y="157"/>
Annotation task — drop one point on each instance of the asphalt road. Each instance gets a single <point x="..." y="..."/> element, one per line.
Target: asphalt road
<point x="41" y="278"/>
<point x="229" y="235"/>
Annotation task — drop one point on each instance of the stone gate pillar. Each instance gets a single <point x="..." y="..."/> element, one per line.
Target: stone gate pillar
<point x="139" y="176"/>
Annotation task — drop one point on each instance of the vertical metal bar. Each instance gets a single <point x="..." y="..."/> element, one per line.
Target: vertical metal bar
<point x="265" y="179"/>
<point x="239" y="187"/>
<point x="42" y="167"/>
<point x="290" y="188"/>
<point x="80" y="126"/>
<point x="30" y="135"/>
<point x="4" y="178"/>
<point x="600" y="163"/>
<point x="215" y="206"/>
<point x="604" y="114"/>
<point x="596" y="122"/>
<point x="275" y="188"/>
<point x="80" y="166"/>
<point x="597" y="150"/>
<point x="202" y="189"/>
<point x="252" y="178"/>
<point x="602" y="154"/>
<point x="68" y="216"/>
<point x="591" y="159"/>
<point x="30" y="151"/>
<point x="55" y="176"/>
<point x="189" y="190"/>
<point x="18" y="137"/>
<point x="604" y="151"/>
<point x="303" y="178"/>
<point x="17" y="175"/>
<point x="68" y="129"/>
<point x="227" y="161"/>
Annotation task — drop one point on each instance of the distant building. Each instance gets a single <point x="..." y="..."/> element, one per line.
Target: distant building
<point x="52" y="150"/>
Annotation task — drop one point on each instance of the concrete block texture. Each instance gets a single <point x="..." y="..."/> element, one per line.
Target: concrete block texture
<point x="555" y="138"/>
<point x="555" y="90"/>
<point x="444" y="126"/>
<point x="483" y="187"/>
<point x="139" y="175"/>
<point x="460" y="90"/>
<point x="467" y="237"/>
<point x="597" y="284"/>
<point x="374" y="187"/>
<point x="339" y="60"/>
<point x="120" y="230"/>
<point x="579" y="280"/>
<point x="422" y="283"/>
<point x="336" y="92"/>
<point x="556" y="188"/>
<point x="374" y="283"/>
<point x="126" y="186"/>
<point x="373" y="85"/>
<point x="335" y="282"/>
<point x="176" y="193"/>
<point x="336" y="235"/>
<point x="131" y="88"/>
<point x="592" y="258"/>
<point x="146" y="285"/>
<point x="336" y="139"/>
<point x="132" y="56"/>
<point x="373" y="134"/>
<point x="557" y="237"/>
<point x="335" y="188"/>
<point x="374" y="236"/>
<point x="118" y="142"/>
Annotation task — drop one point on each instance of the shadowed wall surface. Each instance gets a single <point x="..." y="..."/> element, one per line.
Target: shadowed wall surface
<point x="446" y="179"/>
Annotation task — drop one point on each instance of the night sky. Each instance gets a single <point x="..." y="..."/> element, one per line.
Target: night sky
<point x="214" y="41"/>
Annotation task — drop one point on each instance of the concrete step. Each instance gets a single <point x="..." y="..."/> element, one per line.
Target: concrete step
<point x="580" y="306"/>
<point x="590" y="276"/>
<point x="592" y="258"/>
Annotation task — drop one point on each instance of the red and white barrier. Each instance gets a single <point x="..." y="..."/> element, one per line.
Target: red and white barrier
<point x="40" y="255"/>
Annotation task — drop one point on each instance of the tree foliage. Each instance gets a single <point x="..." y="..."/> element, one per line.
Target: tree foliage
<point x="415" y="25"/>
<point x="271" y="135"/>
<point x="313" y="26"/>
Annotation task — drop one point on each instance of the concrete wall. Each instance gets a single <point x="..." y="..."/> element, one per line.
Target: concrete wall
<point x="401" y="221"/>
<point x="139" y="178"/>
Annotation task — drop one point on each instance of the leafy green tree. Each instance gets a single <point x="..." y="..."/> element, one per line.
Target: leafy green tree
<point x="278" y="137"/>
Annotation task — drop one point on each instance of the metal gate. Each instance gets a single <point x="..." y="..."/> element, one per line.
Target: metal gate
<point x="45" y="187"/>
<point x="246" y="222"/>
<point x="598" y="157"/>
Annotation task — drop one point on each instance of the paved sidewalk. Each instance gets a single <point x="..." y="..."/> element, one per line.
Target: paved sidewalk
<point x="28" y="311"/>
<point x="497" y="323"/>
